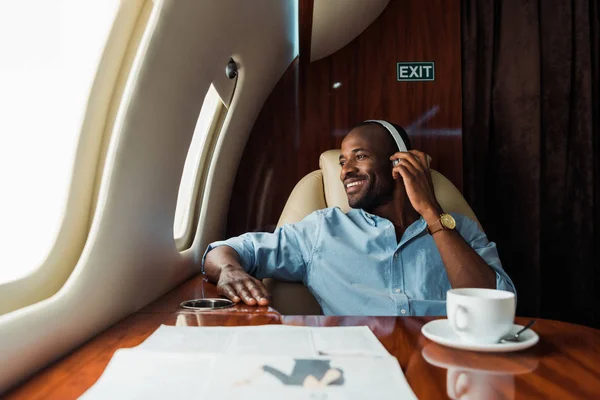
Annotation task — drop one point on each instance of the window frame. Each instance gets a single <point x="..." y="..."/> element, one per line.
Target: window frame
<point x="201" y="174"/>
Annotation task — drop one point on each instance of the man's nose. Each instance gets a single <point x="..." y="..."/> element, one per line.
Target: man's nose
<point x="348" y="167"/>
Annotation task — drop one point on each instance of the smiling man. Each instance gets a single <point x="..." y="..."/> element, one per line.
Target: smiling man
<point x="395" y="253"/>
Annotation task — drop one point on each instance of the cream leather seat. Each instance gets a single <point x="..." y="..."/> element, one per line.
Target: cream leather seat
<point x="321" y="189"/>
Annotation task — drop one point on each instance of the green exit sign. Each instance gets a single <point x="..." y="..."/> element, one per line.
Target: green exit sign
<point x="415" y="71"/>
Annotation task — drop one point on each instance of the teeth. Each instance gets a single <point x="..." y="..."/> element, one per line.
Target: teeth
<point x="354" y="184"/>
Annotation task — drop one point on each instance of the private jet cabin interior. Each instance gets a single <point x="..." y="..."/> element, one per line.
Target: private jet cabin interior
<point x="136" y="132"/>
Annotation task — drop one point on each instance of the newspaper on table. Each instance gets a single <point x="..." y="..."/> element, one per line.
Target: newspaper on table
<point x="262" y="362"/>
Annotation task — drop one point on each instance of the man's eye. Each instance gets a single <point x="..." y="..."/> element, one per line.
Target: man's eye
<point x="361" y="157"/>
<point x="342" y="163"/>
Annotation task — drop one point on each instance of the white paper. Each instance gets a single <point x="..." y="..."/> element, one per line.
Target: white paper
<point x="355" y="340"/>
<point x="256" y="377"/>
<point x="188" y="339"/>
<point x="141" y="374"/>
<point x="254" y="362"/>
<point x="272" y="340"/>
<point x="267" y="340"/>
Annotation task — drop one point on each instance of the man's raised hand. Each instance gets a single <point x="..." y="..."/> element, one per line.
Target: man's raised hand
<point x="416" y="175"/>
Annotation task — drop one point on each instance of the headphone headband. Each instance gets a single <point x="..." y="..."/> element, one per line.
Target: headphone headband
<point x="393" y="131"/>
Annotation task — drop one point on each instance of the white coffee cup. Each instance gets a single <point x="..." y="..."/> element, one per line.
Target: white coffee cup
<point x="480" y="316"/>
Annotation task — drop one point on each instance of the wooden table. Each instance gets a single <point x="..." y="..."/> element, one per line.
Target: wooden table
<point x="564" y="364"/>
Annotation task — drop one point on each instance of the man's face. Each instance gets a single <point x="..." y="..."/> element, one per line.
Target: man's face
<point x="366" y="169"/>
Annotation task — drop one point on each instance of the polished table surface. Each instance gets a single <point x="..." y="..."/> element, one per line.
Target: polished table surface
<point x="564" y="364"/>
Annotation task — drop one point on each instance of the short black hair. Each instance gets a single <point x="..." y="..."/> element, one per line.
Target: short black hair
<point x="400" y="130"/>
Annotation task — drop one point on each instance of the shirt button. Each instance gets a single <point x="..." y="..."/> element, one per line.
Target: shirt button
<point x="395" y="255"/>
<point x="403" y="311"/>
<point x="398" y="291"/>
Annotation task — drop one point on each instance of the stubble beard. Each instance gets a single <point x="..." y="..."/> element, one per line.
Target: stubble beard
<point x="373" y="198"/>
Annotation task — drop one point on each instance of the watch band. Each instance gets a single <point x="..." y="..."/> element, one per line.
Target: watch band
<point x="435" y="227"/>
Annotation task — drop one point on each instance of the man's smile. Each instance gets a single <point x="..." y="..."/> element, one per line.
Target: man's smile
<point x="354" y="185"/>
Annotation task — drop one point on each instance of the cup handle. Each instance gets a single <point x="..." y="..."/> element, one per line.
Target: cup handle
<point x="461" y="318"/>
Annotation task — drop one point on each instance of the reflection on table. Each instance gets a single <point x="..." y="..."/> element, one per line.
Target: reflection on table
<point x="479" y="375"/>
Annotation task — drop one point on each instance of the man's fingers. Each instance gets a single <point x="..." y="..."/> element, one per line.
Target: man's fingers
<point x="265" y="292"/>
<point x="398" y="172"/>
<point x="244" y="293"/>
<point x="424" y="161"/>
<point x="227" y="291"/>
<point x="409" y="158"/>
<point x="263" y="288"/>
<point x="257" y="292"/>
<point x="408" y="167"/>
<point x="250" y="292"/>
<point x="421" y="157"/>
<point x="253" y="289"/>
<point x="403" y="171"/>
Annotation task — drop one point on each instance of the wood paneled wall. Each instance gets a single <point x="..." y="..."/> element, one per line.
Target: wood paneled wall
<point x="305" y="115"/>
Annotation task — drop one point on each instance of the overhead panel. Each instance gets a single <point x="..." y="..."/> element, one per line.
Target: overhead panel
<point x="337" y="22"/>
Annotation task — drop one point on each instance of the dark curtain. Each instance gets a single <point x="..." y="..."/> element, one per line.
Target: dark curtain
<point x="530" y="142"/>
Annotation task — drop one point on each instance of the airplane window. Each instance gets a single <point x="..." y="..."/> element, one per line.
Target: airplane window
<point x="208" y="122"/>
<point x="49" y="53"/>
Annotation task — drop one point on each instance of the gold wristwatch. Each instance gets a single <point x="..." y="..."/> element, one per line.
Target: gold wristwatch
<point x="445" y="222"/>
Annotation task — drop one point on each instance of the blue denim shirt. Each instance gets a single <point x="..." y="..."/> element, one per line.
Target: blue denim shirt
<point x="353" y="264"/>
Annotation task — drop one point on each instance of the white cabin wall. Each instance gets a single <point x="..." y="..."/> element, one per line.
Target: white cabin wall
<point x="130" y="258"/>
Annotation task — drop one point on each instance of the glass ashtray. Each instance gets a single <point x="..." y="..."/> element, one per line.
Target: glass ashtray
<point x="207" y="304"/>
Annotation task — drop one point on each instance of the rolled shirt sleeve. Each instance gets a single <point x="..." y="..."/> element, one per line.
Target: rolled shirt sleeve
<point x="284" y="254"/>
<point x="487" y="251"/>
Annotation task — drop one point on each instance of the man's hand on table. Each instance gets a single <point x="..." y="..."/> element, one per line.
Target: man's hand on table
<point x="237" y="285"/>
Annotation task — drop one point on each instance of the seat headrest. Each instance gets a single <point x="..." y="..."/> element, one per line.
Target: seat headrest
<point x="335" y="195"/>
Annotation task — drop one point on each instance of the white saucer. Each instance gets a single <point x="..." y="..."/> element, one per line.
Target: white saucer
<point x="440" y="332"/>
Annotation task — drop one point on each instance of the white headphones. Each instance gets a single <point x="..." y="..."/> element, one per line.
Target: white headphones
<point x="393" y="131"/>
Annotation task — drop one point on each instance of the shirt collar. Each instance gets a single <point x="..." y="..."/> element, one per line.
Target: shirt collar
<point x="412" y="231"/>
<point x="370" y="218"/>
<point x="415" y="229"/>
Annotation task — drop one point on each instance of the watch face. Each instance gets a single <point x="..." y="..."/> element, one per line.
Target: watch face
<point x="448" y="221"/>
